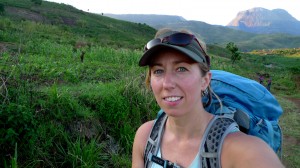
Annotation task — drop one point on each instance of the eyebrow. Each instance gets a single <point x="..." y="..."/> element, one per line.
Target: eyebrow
<point x="174" y="62"/>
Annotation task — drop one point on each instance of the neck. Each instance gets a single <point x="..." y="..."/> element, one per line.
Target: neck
<point x="189" y="126"/>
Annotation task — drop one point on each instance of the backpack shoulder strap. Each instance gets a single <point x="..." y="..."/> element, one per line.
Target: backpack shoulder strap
<point x="154" y="139"/>
<point x="213" y="139"/>
<point x="210" y="151"/>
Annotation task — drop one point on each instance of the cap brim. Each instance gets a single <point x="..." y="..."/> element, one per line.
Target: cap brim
<point x="148" y="55"/>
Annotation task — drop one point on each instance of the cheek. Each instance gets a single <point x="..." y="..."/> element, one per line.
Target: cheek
<point x="192" y="86"/>
<point x="156" y="88"/>
<point x="155" y="85"/>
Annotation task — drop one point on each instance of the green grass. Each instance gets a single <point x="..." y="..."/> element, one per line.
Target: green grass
<point x="56" y="111"/>
<point x="66" y="24"/>
<point x="62" y="102"/>
<point x="290" y="124"/>
<point x="96" y="106"/>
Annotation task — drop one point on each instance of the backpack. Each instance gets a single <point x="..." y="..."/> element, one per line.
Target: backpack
<point x="246" y="103"/>
<point x="255" y="109"/>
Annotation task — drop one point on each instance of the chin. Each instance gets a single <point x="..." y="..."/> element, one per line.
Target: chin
<point x="174" y="113"/>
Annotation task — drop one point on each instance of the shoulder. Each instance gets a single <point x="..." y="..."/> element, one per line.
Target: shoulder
<point x="143" y="132"/>
<point x="241" y="150"/>
<point x="139" y="143"/>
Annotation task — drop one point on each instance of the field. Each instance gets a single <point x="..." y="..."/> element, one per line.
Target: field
<point x="60" y="111"/>
<point x="70" y="100"/>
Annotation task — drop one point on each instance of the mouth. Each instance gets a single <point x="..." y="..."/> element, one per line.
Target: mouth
<point x="172" y="98"/>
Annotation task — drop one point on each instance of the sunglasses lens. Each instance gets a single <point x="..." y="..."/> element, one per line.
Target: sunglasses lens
<point x="152" y="43"/>
<point x="180" y="39"/>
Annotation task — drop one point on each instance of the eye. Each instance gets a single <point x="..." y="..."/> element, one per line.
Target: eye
<point x="158" y="71"/>
<point x="181" y="69"/>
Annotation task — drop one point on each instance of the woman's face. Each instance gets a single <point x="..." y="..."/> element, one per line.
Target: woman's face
<point x="177" y="83"/>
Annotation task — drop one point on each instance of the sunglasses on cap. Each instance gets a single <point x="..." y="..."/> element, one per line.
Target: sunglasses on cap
<point x="178" y="39"/>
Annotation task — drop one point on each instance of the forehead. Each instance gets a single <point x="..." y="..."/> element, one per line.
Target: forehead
<point x="170" y="55"/>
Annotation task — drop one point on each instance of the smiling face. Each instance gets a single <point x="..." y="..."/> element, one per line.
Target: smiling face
<point x="177" y="82"/>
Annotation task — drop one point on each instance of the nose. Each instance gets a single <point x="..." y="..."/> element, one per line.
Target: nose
<point x="169" y="81"/>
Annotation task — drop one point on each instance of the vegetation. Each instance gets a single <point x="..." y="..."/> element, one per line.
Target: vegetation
<point x="286" y="51"/>
<point x="53" y="22"/>
<point x="59" y="111"/>
<point x="235" y="55"/>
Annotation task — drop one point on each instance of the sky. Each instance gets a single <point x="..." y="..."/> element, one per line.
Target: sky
<point x="216" y="12"/>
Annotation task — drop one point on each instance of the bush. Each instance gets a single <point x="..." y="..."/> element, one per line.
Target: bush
<point x="17" y="126"/>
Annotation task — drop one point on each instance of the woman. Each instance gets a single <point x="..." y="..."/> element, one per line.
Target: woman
<point x="178" y="77"/>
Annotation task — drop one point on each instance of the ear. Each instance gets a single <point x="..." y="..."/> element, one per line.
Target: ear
<point x="205" y="81"/>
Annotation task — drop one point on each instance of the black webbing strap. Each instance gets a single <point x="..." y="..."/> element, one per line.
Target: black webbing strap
<point x="163" y="163"/>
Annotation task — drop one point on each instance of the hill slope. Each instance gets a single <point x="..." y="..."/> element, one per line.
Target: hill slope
<point x="215" y="34"/>
<point x="78" y="24"/>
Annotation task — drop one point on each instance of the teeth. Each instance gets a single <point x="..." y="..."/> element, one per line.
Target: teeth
<point x="172" y="99"/>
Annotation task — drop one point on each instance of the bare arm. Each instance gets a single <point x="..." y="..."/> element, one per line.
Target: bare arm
<point x="241" y="150"/>
<point x="139" y="144"/>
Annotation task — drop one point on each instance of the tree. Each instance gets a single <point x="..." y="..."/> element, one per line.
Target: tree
<point x="235" y="54"/>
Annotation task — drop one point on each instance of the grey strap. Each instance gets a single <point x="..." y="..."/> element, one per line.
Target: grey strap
<point x="154" y="139"/>
<point x="211" y="147"/>
<point x="213" y="138"/>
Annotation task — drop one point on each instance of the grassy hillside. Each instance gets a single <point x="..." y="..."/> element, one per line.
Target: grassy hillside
<point x="269" y="42"/>
<point x="66" y="24"/>
<point x="246" y="42"/>
<point x="57" y="110"/>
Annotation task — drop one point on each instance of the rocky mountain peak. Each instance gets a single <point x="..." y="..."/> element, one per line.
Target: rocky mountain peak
<point x="260" y="17"/>
<point x="261" y="20"/>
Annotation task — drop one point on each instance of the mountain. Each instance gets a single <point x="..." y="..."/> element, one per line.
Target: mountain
<point x="216" y="34"/>
<point x="264" y="21"/>
<point x="150" y="19"/>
